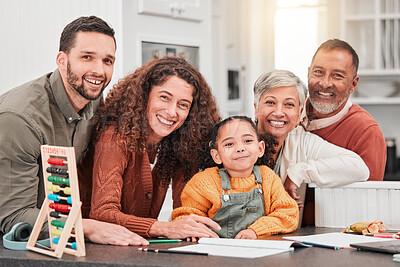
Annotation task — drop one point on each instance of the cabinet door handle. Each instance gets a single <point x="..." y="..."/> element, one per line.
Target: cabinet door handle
<point x="181" y="9"/>
<point x="174" y="6"/>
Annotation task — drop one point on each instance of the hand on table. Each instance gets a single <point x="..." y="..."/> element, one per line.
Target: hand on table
<point x="111" y="234"/>
<point x="291" y="188"/>
<point x="190" y="227"/>
<point x="246" y="234"/>
<point x="192" y="239"/>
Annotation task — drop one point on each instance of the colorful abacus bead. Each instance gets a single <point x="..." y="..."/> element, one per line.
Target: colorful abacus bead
<point x="56" y="240"/>
<point x="57" y="214"/>
<point x="56" y="161"/>
<point x="58" y="224"/>
<point x="56" y="232"/>
<point x="57" y="170"/>
<point x="58" y="180"/>
<point x="60" y="207"/>
<point x="57" y="188"/>
<point x="57" y="198"/>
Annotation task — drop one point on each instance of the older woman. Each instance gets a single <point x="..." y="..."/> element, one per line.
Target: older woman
<point x="154" y="124"/>
<point x="301" y="157"/>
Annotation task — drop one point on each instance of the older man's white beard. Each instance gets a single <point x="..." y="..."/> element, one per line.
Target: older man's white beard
<point x="324" y="108"/>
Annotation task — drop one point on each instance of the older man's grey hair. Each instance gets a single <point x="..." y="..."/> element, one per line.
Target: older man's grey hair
<point x="279" y="78"/>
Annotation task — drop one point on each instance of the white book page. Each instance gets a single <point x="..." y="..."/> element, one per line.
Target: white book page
<point x="341" y="240"/>
<point x="251" y="243"/>
<point x="231" y="251"/>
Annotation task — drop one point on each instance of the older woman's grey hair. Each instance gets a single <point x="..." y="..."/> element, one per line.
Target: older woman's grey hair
<point x="279" y="78"/>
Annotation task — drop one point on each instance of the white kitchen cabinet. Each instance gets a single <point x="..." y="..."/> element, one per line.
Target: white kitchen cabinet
<point x="372" y="27"/>
<point x="178" y="9"/>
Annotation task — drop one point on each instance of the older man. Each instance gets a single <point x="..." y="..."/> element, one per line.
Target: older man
<point x="329" y="113"/>
<point x="332" y="78"/>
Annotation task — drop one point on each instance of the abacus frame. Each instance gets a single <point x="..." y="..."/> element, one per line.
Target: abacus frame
<point x="74" y="218"/>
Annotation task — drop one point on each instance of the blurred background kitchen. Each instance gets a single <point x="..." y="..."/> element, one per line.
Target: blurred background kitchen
<point x="231" y="41"/>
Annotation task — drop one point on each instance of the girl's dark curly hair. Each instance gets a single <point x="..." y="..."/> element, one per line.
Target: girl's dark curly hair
<point x="269" y="141"/>
<point x="126" y="108"/>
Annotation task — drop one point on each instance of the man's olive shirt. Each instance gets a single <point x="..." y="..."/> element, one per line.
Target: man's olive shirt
<point x="33" y="114"/>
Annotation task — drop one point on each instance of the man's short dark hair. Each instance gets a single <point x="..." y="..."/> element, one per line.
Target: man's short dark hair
<point x="339" y="44"/>
<point x="84" y="24"/>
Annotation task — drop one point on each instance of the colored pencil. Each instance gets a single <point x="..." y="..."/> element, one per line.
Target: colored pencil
<point x="164" y="241"/>
<point x="321" y="245"/>
<point x="383" y="235"/>
<point x="173" y="251"/>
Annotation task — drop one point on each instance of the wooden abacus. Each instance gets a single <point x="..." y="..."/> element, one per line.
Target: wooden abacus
<point x="62" y="206"/>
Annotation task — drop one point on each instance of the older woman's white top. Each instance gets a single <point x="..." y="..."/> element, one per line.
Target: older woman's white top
<point x="307" y="158"/>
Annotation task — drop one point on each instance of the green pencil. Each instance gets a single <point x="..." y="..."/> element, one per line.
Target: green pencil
<point x="164" y="241"/>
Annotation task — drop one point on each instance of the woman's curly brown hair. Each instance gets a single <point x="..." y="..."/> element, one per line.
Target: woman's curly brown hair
<point x="126" y="108"/>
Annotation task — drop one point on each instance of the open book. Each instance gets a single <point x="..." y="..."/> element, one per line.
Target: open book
<point x="242" y="248"/>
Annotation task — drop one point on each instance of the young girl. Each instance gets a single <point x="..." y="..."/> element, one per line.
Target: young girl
<point x="248" y="201"/>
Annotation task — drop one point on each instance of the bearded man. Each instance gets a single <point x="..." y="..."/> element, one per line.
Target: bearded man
<point x="329" y="113"/>
<point x="56" y="109"/>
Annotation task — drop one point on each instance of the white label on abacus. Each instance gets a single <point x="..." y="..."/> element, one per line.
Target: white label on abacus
<point x="53" y="150"/>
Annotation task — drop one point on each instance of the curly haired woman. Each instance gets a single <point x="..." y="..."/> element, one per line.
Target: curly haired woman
<point x="151" y="132"/>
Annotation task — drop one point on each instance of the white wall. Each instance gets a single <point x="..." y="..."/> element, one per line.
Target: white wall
<point x="243" y="40"/>
<point x="387" y="117"/>
<point x="31" y="30"/>
<point x="260" y="46"/>
<point x="219" y="56"/>
<point x="30" y="33"/>
<point x="235" y="34"/>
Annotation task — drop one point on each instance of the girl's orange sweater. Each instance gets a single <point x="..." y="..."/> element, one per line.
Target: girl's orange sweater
<point x="201" y="196"/>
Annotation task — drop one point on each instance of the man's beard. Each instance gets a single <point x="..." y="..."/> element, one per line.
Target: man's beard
<point x="72" y="79"/>
<point x="327" y="108"/>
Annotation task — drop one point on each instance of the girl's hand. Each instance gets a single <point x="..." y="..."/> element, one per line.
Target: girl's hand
<point x="246" y="234"/>
<point x="187" y="227"/>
